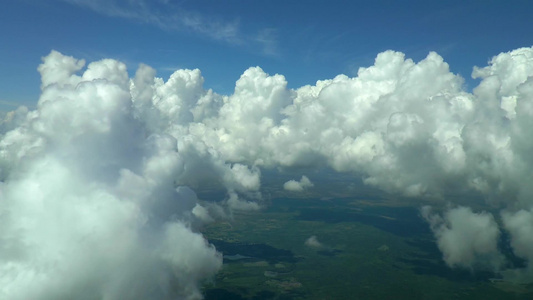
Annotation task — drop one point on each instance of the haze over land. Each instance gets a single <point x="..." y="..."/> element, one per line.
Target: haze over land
<point x="99" y="177"/>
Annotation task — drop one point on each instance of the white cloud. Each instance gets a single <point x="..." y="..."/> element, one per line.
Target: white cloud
<point x="167" y="16"/>
<point x="298" y="186"/>
<point x="11" y="104"/>
<point x="90" y="206"/>
<point x="173" y="16"/>
<point x="520" y="226"/>
<point x="236" y="203"/>
<point x="267" y="38"/>
<point x="466" y="238"/>
<point x="313" y="242"/>
<point x="101" y="144"/>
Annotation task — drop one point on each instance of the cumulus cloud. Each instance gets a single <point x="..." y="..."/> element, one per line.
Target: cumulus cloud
<point x="407" y="127"/>
<point x="235" y="203"/>
<point x="109" y="163"/>
<point x="298" y="186"/>
<point x="90" y="206"/>
<point x="520" y="226"/>
<point x="466" y="238"/>
<point x="313" y="242"/>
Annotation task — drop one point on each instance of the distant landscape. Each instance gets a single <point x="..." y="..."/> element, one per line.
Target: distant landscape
<point x="370" y="247"/>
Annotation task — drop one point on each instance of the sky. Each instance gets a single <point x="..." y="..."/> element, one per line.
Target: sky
<point x="304" y="42"/>
<point x="133" y="107"/>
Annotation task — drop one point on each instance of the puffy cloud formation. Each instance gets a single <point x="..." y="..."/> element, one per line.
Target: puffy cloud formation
<point x="407" y="127"/>
<point x="466" y="238"/>
<point x="313" y="242"/>
<point x="520" y="225"/>
<point x="90" y="207"/>
<point x="97" y="194"/>
<point x="298" y="186"/>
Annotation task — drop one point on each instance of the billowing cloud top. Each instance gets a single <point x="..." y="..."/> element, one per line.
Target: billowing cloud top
<point x="95" y="202"/>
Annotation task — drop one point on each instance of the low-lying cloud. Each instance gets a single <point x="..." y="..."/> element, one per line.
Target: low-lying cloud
<point x="313" y="242"/>
<point x="466" y="239"/>
<point x="96" y="193"/>
<point x="298" y="186"/>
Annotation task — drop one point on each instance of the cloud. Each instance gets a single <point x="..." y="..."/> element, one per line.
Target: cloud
<point x="167" y="16"/>
<point x="466" y="238"/>
<point x="268" y="40"/>
<point x="407" y="127"/>
<point x="235" y="203"/>
<point x="90" y="209"/>
<point x="313" y="242"/>
<point x="298" y="186"/>
<point x="10" y="103"/>
<point x="519" y="224"/>
<point x="175" y="17"/>
<point x="172" y="16"/>
<point x="105" y="159"/>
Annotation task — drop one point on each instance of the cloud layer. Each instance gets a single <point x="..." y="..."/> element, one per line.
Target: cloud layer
<point x="96" y="193"/>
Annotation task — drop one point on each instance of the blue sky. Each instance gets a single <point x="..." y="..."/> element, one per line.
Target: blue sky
<point x="303" y="40"/>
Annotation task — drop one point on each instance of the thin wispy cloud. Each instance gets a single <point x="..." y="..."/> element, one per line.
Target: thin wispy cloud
<point x="167" y="16"/>
<point x="9" y="103"/>
<point x="173" y="17"/>
<point x="268" y="40"/>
